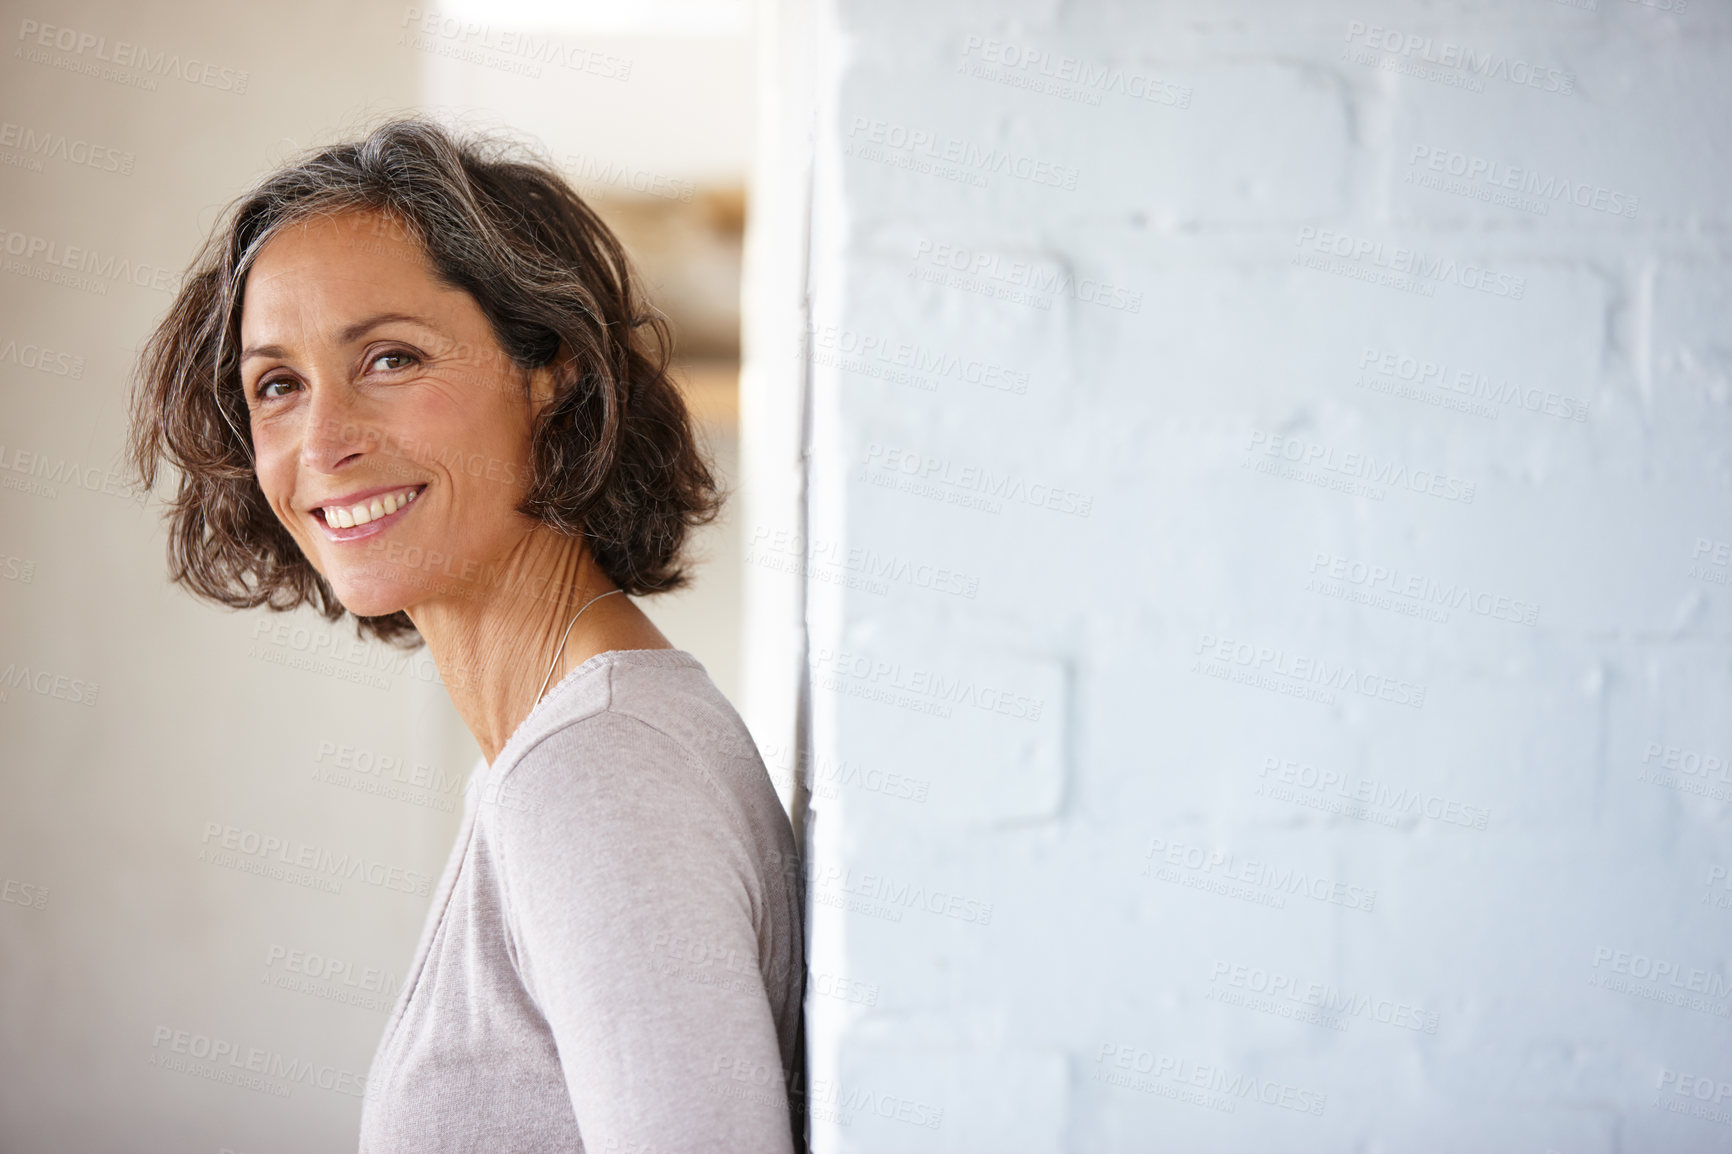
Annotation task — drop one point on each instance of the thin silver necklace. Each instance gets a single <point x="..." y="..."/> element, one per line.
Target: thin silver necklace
<point x="567" y="633"/>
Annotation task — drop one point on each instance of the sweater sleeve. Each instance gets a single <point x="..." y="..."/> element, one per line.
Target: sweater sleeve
<point x="633" y="896"/>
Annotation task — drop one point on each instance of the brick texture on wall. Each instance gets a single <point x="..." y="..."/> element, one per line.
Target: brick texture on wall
<point x="1266" y="559"/>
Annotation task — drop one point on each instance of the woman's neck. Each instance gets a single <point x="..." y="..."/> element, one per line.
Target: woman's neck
<point x="495" y="643"/>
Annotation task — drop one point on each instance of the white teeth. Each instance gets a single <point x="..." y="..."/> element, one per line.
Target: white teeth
<point x="371" y="510"/>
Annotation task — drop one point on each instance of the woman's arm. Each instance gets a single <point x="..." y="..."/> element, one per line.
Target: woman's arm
<point x="633" y="896"/>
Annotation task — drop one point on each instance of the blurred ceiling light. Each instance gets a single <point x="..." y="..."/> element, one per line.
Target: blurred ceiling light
<point x="609" y="17"/>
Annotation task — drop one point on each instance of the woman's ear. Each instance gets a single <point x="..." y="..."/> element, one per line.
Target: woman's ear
<point x="544" y="382"/>
<point x="541" y="389"/>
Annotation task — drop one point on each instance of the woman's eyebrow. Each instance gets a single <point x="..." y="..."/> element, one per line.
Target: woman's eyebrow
<point x="347" y="335"/>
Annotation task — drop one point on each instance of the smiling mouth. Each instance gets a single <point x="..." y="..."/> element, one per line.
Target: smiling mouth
<point x="366" y="512"/>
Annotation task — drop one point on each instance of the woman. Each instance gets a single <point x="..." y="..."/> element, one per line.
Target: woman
<point x="410" y="379"/>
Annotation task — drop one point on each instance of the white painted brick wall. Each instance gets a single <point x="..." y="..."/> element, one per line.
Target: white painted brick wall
<point x="1054" y="900"/>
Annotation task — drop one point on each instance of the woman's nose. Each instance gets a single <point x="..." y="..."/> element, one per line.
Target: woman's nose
<point x="336" y="430"/>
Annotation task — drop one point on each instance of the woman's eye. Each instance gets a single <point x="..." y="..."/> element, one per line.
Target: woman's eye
<point x="403" y="360"/>
<point x="269" y="389"/>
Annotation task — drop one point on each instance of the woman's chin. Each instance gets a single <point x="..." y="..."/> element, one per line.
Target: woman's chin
<point x="373" y="598"/>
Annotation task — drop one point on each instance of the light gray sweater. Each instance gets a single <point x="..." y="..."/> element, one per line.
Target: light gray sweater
<point x="613" y="962"/>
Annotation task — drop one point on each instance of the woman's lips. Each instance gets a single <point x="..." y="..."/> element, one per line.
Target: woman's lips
<point x="344" y="523"/>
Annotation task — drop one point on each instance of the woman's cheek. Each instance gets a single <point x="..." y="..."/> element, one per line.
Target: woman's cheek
<point x="275" y="482"/>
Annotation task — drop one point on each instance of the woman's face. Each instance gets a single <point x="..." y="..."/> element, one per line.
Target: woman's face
<point x="391" y="432"/>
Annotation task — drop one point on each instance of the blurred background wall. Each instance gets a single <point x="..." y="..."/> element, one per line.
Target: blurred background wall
<point x="1268" y="527"/>
<point x="142" y="730"/>
<point x="1229" y="571"/>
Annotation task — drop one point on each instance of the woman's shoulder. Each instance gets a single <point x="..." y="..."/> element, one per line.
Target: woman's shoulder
<point x="633" y="731"/>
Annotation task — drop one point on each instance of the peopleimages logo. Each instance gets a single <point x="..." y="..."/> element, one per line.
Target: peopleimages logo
<point x="1470" y="385"/>
<point x="926" y="474"/>
<point x="1332" y="1002"/>
<point x="1365" y="467"/>
<point x="1496" y="182"/>
<point x="309" y="972"/>
<point x="1262" y="882"/>
<point x="40" y="474"/>
<point x="1116" y="1062"/>
<point x="1061" y="75"/>
<point x="224" y="1060"/>
<point x="866" y="676"/>
<point x="825" y="559"/>
<point x="481" y="43"/>
<point x="254" y="852"/>
<point x="1698" y="1086"/>
<point x="1404" y="262"/>
<point x="49" y="145"/>
<point x="922" y="148"/>
<point x="1471" y="62"/>
<point x="1268" y="666"/>
<point x="894" y="895"/>
<point x="1422" y="588"/>
<point x="87" y="47"/>
<point x="1712" y="983"/>
<point x="77" y="259"/>
<point x="875" y="355"/>
<point x="593" y="172"/>
<point x="1018" y="281"/>
<point x="43" y="360"/>
<point x="1332" y="791"/>
<point x="46" y="683"/>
